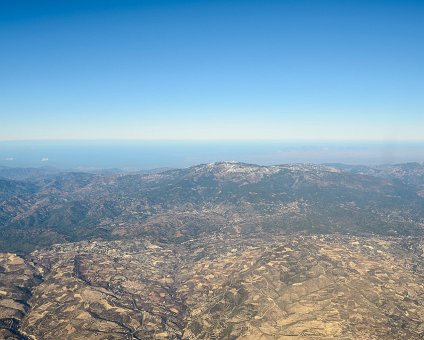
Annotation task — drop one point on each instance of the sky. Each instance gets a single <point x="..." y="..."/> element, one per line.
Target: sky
<point x="212" y="70"/>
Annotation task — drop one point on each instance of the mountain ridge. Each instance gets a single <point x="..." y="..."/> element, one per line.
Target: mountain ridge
<point x="74" y="206"/>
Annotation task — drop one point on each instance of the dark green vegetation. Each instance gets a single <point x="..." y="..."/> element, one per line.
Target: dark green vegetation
<point x="40" y="207"/>
<point x="215" y="251"/>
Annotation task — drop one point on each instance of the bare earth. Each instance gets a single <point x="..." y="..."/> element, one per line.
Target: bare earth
<point x="257" y="287"/>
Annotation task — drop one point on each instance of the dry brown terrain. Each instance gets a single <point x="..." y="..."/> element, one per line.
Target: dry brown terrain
<point x="260" y="287"/>
<point x="216" y="251"/>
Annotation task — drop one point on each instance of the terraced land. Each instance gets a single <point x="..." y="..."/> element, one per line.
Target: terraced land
<point x="261" y="287"/>
<point x="223" y="250"/>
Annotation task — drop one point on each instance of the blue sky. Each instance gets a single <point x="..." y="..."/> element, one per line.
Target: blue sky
<point x="315" y="70"/>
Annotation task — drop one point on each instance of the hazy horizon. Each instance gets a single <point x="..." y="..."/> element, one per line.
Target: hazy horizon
<point x="156" y="154"/>
<point x="99" y="98"/>
<point x="217" y="70"/>
<point x="144" y="84"/>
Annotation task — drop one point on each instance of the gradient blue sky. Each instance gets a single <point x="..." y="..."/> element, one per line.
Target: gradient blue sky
<point x="318" y="70"/>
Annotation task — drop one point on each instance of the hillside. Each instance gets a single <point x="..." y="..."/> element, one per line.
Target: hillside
<point x="215" y="251"/>
<point x="232" y="198"/>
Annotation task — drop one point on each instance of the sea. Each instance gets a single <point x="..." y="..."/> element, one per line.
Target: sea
<point x="143" y="155"/>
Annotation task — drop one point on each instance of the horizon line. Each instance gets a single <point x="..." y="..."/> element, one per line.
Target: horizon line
<point x="227" y="140"/>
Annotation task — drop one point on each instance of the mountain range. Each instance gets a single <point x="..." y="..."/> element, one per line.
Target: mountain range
<point x="216" y="251"/>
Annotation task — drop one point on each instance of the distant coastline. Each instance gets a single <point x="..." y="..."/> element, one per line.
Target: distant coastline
<point x="140" y="155"/>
